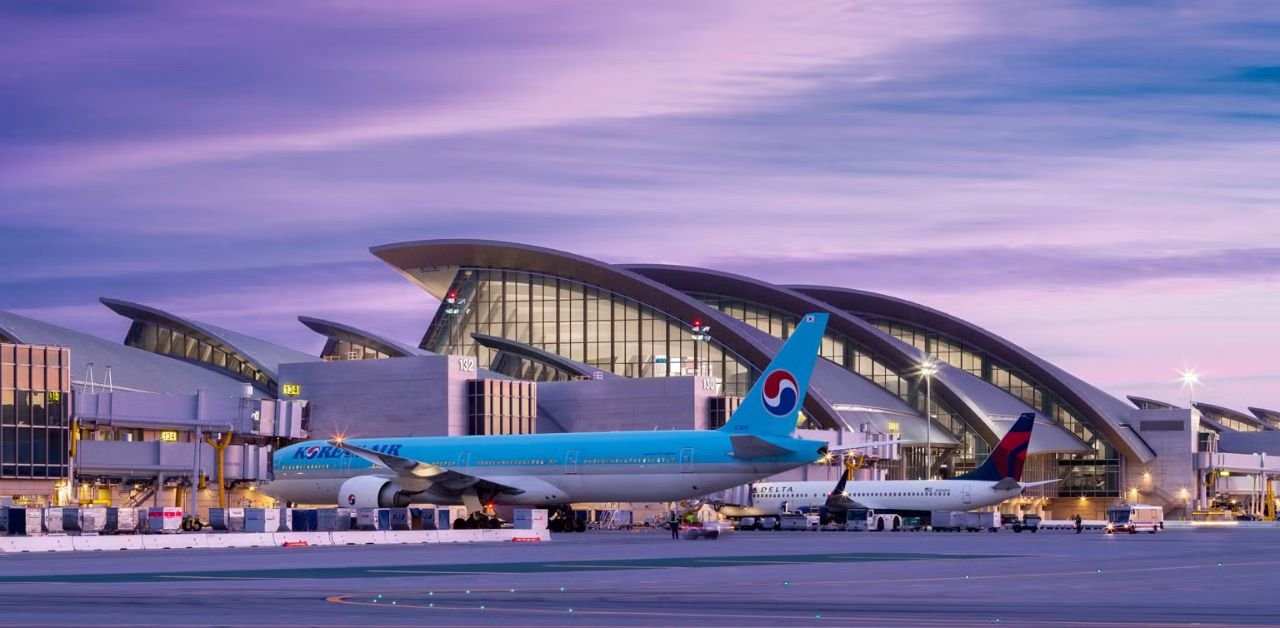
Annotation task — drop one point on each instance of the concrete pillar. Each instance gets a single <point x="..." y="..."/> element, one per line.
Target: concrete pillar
<point x="155" y="499"/>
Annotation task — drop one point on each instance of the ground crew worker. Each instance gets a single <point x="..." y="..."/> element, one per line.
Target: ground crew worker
<point x="674" y="523"/>
<point x="1079" y="524"/>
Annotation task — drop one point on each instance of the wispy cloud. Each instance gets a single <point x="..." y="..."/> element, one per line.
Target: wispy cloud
<point x="1094" y="180"/>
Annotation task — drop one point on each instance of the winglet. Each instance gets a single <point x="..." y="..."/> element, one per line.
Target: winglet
<point x="773" y="404"/>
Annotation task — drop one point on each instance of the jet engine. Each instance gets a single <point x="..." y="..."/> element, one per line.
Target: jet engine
<point x="372" y="491"/>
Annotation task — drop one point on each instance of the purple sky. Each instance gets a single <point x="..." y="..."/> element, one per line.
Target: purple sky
<point x="1097" y="181"/>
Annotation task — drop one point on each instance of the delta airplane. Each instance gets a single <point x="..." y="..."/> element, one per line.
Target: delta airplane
<point x="559" y="469"/>
<point x="996" y="480"/>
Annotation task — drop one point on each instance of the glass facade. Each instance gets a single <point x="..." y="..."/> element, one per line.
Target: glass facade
<point x="1233" y="423"/>
<point x="164" y="340"/>
<point x="856" y="358"/>
<point x="35" y="411"/>
<point x="336" y="349"/>
<point x="498" y="406"/>
<point x="584" y="323"/>
<point x="1080" y="473"/>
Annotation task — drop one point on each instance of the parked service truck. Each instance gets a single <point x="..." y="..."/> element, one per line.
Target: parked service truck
<point x="1134" y="518"/>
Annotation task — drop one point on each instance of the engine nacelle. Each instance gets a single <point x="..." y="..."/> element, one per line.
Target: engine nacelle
<point x="372" y="491"/>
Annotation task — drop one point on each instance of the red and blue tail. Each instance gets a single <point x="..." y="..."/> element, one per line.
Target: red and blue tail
<point x="1007" y="458"/>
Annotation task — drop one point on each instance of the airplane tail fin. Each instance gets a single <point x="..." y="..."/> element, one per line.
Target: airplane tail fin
<point x="773" y="404"/>
<point x="1007" y="458"/>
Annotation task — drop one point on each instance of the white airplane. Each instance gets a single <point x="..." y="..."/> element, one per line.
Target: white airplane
<point x="996" y="480"/>
<point x="558" y="469"/>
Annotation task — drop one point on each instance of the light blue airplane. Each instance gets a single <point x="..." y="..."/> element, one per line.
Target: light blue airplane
<point x="559" y="469"/>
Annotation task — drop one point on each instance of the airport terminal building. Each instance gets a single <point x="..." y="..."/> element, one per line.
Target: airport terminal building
<point x="533" y="340"/>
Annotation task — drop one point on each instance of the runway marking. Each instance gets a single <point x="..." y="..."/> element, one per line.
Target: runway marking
<point x="861" y="618"/>
<point x="589" y="566"/>
<point x="217" y="577"/>
<point x="456" y="572"/>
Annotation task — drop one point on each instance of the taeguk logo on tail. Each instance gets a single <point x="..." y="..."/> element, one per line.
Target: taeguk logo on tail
<point x="780" y="393"/>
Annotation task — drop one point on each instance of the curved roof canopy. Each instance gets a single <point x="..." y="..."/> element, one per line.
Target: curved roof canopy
<point x="1105" y="413"/>
<point x="131" y="369"/>
<point x="432" y="265"/>
<point x="1270" y="416"/>
<point x="339" y="331"/>
<point x="262" y="355"/>
<point x="534" y="354"/>
<point x="1217" y="412"/>
<point x="1146" y="403"/>
<point x="978" y="402"/>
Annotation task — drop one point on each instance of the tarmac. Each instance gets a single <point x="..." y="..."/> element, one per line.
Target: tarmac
<point x="1203" y="577"/>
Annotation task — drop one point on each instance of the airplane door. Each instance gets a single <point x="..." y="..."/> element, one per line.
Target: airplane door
<point x="571" y="461"/>
<point x="965" y="492"/>
<point x="686" y="460"/>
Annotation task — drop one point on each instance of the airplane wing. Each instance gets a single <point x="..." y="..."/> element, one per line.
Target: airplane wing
<point x="434" y="476"/>
<point x="1026" y="485"/>
<point x="844" y="448"/>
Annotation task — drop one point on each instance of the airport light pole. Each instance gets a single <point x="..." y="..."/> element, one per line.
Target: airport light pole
<point x="1190" y="379"/>
<point x="928" y="368"/>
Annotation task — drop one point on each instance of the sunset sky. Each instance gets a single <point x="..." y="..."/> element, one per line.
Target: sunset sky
<point x="1098" y="182"/>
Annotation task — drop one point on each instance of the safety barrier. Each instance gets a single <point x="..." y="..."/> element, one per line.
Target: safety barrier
<point x="67" y="543"/>
<point x="105" y="543"/>
<point x="174" y="541"/>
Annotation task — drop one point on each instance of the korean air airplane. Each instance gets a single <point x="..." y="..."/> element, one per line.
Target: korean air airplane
<point x="998" y="479"/>
<point x="558" y="469"/>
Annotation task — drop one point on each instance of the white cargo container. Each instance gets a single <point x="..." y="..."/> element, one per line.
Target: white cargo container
<point x="979" y="521"/>
<point x="91" y="519"/>
<point x="53" y="519"/>
<point x="122" y="521"/>
<point x="262" y="519"/>
<point x="947" y="520"/>
<point x="167" y="520"/>
<point x="227" y="519"/>
<point x="530" y="519"/>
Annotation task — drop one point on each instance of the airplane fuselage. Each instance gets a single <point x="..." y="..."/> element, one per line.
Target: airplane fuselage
<point x="889" y="495"/>
<point x="550" y="469"/>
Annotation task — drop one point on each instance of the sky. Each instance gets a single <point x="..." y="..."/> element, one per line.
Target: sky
<point x="1098" y="182"/>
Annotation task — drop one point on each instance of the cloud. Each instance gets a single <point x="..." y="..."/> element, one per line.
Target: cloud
<point x="302" y="78"/>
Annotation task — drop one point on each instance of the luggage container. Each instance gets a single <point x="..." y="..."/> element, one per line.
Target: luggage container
<point x="396" y="519"/>
<point x="423" y="519"/>
<point x="530" y="519"/>
<point x="166" y="520"/>
<point x="369" y="518"/>
<point x="286" y="519"/>
<point x="88" y="520"/>
<point x="980" y="521"/>
<point x="332" y="520"/>
<point x="305" y="520"/>
<point x="947" y="520"/>
<point x="122" y="521"/>
<point x="18" y="521"/>
<point x="53" y="520"/>
<point x="262" y="519"/>
<point x="227" y="519"/>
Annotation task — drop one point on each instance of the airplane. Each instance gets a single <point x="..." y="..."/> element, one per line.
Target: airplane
<point x="545" y="470"/>
<point x="997" y="479"/>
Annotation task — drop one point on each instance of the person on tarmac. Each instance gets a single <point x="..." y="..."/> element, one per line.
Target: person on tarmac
<point x="1079" y="523"/>
<point x="674" y="524"/>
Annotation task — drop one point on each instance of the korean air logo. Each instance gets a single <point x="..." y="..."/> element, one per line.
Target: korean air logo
<point x="780" y="393"/>
<point x="311" y="452"/>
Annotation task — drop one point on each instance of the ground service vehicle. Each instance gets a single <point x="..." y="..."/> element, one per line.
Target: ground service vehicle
<point x="947" y="520"/>
<point x="1134" y="518"/>
<point x="867" y="519"/>
<point x="980" y="521"/>
<point x="1029" y="522"/>
<point x="797" y="521"/>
